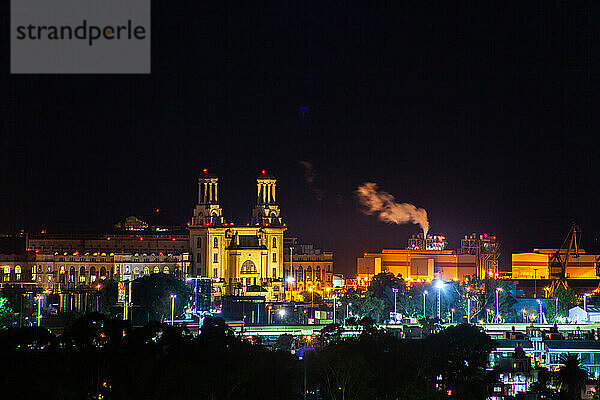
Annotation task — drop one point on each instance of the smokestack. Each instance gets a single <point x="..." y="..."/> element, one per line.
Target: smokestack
<point x="383" y="204"/>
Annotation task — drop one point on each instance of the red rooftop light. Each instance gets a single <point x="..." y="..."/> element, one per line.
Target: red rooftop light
<point x="263" y="171"/>
<point x="108" y="238"/>
<point x="158" y="210"/>
<point x="205" y="170"/>
<point x="141" y="238"/>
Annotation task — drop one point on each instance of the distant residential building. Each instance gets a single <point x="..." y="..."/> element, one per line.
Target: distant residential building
<point x="16" y="262"/>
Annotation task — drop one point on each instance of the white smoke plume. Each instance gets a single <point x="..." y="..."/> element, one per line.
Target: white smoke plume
<point x="383" y="204"/>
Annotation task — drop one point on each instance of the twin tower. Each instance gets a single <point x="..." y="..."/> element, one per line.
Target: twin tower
<point x="208" y="211"/>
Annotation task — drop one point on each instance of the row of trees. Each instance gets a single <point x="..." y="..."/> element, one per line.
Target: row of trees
<point x="99" y="357"/>
<point x="378" y="301"/>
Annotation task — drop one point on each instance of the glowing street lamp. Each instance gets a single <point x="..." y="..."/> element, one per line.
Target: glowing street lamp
<point x="541" y="314"/>
<point x="439" y="284"/>
<point x="290" y="279"/>
<point x="498" y="289"/>
<point x="173" y="309"/>
<point x="39" y="310"/>
<point x="452" y="320"/>
<point x="395" y="290"/>
<point x="424" y="309"/>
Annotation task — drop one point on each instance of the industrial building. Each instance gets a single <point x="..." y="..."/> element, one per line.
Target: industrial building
<point x="426" y="260"/>
<point x="537" y="264"/>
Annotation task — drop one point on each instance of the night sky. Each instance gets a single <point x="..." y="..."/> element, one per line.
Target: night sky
<point x="483" y="114"/>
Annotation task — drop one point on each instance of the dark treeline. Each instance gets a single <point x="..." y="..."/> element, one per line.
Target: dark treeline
<point x="100" y="358"/>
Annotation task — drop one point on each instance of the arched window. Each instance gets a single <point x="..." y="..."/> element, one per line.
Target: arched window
<point x="146" y="271"/>
<point x="93" y="275"/>
<point x="199" y="242"/>
<point x="274" y="243"/>
<point x="18" y="272"/>
<point x="72" y="274"/>
<point x="248" y="267"/>
<point x="156" y="270"/>
<point x="216" y="243"/>
<point x="102" y="273"/>
<point x="136" y="270"/>
<point x="166" y="270"/>
<point x="299" y="274"/>
<point x="62" y="269"/>
<point x="318" y="273"/>
<point x="309" y="273"/>
<point x="82" y="274"/>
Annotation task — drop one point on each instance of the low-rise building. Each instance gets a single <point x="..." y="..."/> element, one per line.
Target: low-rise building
<point x="309" y="268"/>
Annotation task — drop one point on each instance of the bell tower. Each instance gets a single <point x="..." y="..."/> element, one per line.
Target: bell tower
<point x="208" y="211"/>
<point x="266" y="211"/>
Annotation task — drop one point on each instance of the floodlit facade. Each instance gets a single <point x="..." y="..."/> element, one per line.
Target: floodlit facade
<point x="418" y="265"/>
<point x="536" y="265"/>
<point x="243" y="260"/>
<point x="307" y="268"/>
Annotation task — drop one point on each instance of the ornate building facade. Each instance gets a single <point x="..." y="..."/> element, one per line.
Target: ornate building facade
<point x="242" y="260"/>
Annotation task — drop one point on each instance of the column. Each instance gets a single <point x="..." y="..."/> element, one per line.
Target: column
<point x="262" y="185"/>
<point x="216" y="192"/>
<point x="205" y="190"/>
<point x="274" y="187"/>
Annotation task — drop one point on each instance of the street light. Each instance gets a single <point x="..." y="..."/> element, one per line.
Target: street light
<point x="290" y="279"/>
<point x="585" y="295"/>
<point x="498" y="289"/>
<point x="452" y="320"/>
<point x="173" y="309"/>
<point x="39" y="310"/>
<point x="439" y="284"/>
<point x="540" y="303"/>
<point x="424" y="309"/>
<point x="395" y="290"/>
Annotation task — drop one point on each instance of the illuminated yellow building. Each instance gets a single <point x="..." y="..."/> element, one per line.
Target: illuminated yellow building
<point x="244" y="260"/>
<point x="536" y="265"/>
<point x="418" y="265"/>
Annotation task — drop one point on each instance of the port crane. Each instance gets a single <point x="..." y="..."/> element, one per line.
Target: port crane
<point x="559" y="260"/>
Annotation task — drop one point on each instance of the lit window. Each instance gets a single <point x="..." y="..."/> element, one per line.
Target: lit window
<point x="248" y="267"/>
<point x="156" y="270"/>
<point x="146" y="271"/>
<point x="166" y="270"/>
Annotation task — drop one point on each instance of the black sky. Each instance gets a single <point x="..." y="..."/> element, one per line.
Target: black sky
<point x="484" y="114"/>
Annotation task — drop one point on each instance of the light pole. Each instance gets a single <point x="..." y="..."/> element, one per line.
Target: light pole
<point x="290" y="280"/>
<point x="468" y="310"/>
<point x="585" y="295"/>
<point x="395" y="290"/>
<point x="39" y="310"/>
<point x="424" y="309"/>
<point x="498" y="290"/>
<point x="555" y="309"/>
<point x="452" y="320"/>
<point x="334" y="301"/>
<point x="348" y="310"/>
<point x="173" y="309"/>
<point x="535" y="282"/>
<point x="541" y="318"/>
<point x="439" y="284"/>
